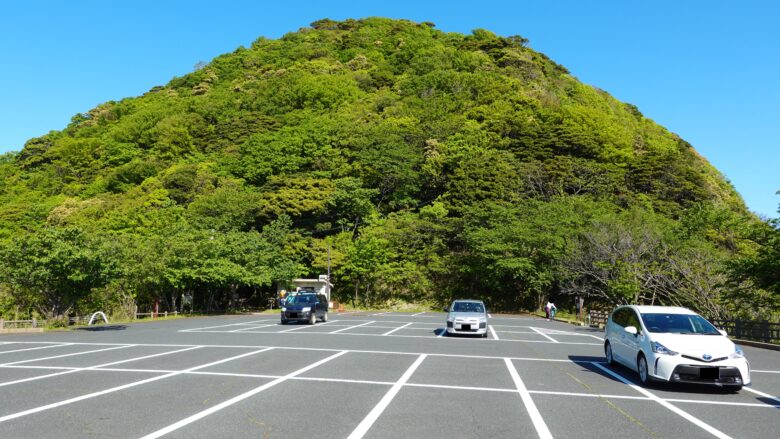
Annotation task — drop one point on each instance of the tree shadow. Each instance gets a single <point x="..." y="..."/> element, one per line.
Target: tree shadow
<point x="102" y="328"/>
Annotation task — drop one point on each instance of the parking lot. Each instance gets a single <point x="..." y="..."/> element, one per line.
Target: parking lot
<point x="385" y="375"/>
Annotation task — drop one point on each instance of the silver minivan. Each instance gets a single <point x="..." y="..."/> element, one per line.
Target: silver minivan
<point x="467" y="317"/>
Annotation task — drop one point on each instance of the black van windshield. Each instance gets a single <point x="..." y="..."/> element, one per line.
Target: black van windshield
<point x="302" y="299"/>
<point x="679" y="324"/>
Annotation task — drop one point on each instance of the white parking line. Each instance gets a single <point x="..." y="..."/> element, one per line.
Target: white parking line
<point x="331" y="322"/>
<point x="544" y="335"/>
<point x="104" y="368"/>
<point x="710" y="429"/>
<point x="225" y="326"/>
<point x="536" y="417"/>
<point x="493" y="331"/>
<point x="236" y="399"/>
<point x="79" y="369"/>
<point x="764" y="371"/>
<point x="419" y="314"/>
<point x="516" y="332"/>
<point x="735" y="404"/>
<point x="251" y="328"/>
<point x="69" y="355"/>
<point x="366" y="351"/>
<point x="559" y="332"/>
<point x="36" y="348"/>
<point x="373" y="415"/>
<point x="298" y="328"/>
<point x="396" y="329"/>
<point x="353" y="326"/>
<point x="440" y="335"/>
<point x="122" y="387"/>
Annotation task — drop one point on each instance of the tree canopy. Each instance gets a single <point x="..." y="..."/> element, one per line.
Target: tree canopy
<point x="433" y="165"/>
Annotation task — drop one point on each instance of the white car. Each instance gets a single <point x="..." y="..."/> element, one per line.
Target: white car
<point x="674" y="344"/>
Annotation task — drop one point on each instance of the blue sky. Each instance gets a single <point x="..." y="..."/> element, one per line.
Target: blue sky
<point x="706" y="70"/>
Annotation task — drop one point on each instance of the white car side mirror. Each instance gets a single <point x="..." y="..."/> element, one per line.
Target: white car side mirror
<point x="723" y="332"/>
<point x="631" y="330"/>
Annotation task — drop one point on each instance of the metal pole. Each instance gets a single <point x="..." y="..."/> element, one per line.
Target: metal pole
<point x="328" y="285"/>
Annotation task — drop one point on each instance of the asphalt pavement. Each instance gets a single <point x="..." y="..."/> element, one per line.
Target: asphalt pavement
<point x="373" y="375"/>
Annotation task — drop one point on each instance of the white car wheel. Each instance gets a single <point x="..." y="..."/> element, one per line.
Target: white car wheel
<point x="641" y="366"/>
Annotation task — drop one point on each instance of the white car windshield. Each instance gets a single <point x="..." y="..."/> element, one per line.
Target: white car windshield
<point x="679" y="324"/>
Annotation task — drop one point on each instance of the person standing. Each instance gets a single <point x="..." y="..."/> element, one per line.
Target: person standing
<point x="550" y="308"/>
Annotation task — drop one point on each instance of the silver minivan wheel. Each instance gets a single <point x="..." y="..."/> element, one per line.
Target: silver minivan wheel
<point x="641" y="366"/>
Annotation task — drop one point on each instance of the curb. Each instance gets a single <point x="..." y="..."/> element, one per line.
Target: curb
<point x="757" y="344"/>
<point x="20" y="330"/>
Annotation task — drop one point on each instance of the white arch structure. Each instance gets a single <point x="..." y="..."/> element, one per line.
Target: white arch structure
<point x="99" y="313"/>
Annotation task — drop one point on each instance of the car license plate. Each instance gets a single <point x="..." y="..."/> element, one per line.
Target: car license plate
<point x="709" y="373"/>
<point x="465" y="327"/>
<point x="294" y="315"/>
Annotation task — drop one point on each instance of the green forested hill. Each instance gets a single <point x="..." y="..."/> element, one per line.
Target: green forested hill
<point x="433" y="165"/>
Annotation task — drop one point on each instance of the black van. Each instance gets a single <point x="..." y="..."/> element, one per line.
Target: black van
<point x="306" y="307"/>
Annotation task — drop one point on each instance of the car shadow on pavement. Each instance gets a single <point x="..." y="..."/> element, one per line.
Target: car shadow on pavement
<point x="103" y="328"/>
<point x="587" y="363"/>
<point x="631" y="376"/>
<point x="588" y="329"/>
<point x="770" y="401"/>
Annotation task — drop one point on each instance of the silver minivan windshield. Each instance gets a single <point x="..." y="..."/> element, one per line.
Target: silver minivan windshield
<point x="468" y="307"/>
<point x="678" y="324"/>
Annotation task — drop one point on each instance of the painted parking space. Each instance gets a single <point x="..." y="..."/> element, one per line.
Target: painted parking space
<point x="490" y="373"/>
<point x="34" y="398"/>
<point x="363" y="366"/>
<point x="17" y="352"/>
<point x="569" y="377"/>
<point x="294" y="409"/>
<point x="447" y="413"/>
<point x="143" y="408"/>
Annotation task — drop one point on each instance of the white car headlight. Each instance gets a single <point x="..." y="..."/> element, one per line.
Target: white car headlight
<point x="658" y="348"/>
<point x="482" y="319"/>
<point x="306" y="309"/>
<point x="284" y="309"/>
<point x="738" y="353"/>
